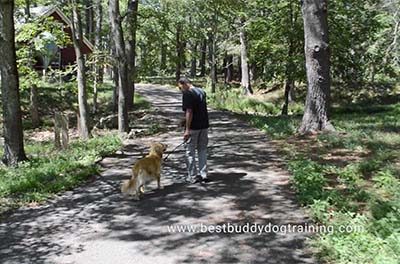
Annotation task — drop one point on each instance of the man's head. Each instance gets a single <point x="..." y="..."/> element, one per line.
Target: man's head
<point x="184" y="84"/>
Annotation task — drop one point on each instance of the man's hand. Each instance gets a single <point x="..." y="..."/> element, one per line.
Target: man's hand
<point x="186" y="135"/>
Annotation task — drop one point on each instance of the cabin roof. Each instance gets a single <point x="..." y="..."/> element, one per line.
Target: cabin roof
<point x="46" y="11"/>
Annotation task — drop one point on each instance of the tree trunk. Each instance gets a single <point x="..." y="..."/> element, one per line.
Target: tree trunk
<point x="212" y="62"/>
<point x="130" y="50"/>
<point x="97" y="42"/>
<point x="253" y="72"/>
<point x="246" y="86"/>
<point x="34" y="106"/>
<point x="193" y="61"/>
<point x="229" y="69"/>
<point x="182" y="52"/>
<point x="114" y="73"/>
<point x="178" y="47"/>
<point x="120" y="59"/>
<point x="202" y="63"/>
<point x="290" y="67"/>
<point x="89" y="19"/>
<point x="33" y="98"/>
<point x="289" y="86"/>
<point x="12" y="117"/>
<point x="239" y="71"/>
<point x="163" y="62"/>
<point x="115" y="89"/>
<point x="77" y="38"/>
<point x="27" y="9"/>
<point x="317" y="53"/>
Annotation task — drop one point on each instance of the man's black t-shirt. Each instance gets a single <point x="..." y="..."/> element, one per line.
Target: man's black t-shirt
<point x="195" y="99"/>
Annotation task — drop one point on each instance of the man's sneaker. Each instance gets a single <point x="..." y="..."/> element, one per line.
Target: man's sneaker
<point x="202" y="179"/>
<point x="198" y="179"/>
<point x="193" y="179"/>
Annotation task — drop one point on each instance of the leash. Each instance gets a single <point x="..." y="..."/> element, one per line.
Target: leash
<point x="166" y="157"/>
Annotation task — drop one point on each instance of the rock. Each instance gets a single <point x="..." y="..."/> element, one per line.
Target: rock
<point x="110" y="121"/>
<point x="136" y="132"/>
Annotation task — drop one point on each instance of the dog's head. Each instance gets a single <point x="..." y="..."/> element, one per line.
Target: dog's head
<point x="158" y="148"/>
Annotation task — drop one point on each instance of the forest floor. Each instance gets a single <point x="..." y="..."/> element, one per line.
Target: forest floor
<point x="94" y="223"/>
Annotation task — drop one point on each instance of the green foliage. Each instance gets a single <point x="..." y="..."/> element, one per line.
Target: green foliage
<point x="153" y="129"/>
<point x="276" y="39"/>
<point x="363" y="194"/>
<point x="233" y="101"/>
<point x="277" y="127"/>
<point x="49" y="171"/>
<point x="141" y="103"/>
<point x="365" y="57"/>
<point x="308" y="179"/>
<point x="356" y="247"/>
<point x="352" y="30"/>
<point x="38" y="38"/>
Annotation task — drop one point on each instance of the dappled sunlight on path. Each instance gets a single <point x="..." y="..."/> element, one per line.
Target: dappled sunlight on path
<point x="96" y="224"/>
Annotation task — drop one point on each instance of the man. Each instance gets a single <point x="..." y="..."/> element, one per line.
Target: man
<point x="196" y="130"/>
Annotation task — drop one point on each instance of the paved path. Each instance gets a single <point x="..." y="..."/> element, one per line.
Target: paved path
<point x="96" y="224"/>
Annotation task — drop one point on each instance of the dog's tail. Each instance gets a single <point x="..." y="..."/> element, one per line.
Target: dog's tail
<point x="131" y="183"/>
<point x="135" y="175"/>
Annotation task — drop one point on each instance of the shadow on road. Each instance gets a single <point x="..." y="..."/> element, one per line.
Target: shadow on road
<point x="247" y="185"/>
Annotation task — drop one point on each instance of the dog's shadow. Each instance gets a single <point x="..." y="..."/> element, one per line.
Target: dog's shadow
<point x="218" y="182"/>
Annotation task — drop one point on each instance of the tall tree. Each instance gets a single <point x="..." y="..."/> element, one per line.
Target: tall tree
<point x="317" y="53"/>
<point x="212" y="47"/>
<point x="179" y="51"/>
<point x="132" y="16"/>
<point x="163" y="61"/>
<point x="89" y="25"/>
<point x="77" y="38"/>
<point x="290" y="65"/>
<point x="97" y="43"/>
<point x="13" y="131"/>
<point x="202" y="61"/>
<point x="120" y="60"/>
<point x="246" y="86"/>
<point x="228" y="68"/>
<point x="34" y="105"/>
<point x="212" y="58"/>
<point x="193" y="60"/>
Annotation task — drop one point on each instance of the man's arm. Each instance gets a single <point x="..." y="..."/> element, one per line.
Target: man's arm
<point x="189" y="117"/>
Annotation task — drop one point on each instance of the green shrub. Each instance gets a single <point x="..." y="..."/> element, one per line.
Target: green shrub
<point x="49" y="171"/>
<point x="359" y="246"/>
<point x="308" y="180"/>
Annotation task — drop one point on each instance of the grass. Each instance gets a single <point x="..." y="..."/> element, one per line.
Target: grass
<point x="231" y="98"/>
<point x="63" y="97"/>
<point x="349" y="179"/>
<point x="140" y="103"/>
<point x="49" y="171"/>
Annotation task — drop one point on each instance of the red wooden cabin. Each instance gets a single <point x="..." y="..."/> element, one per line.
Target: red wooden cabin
<point x="65" y="56"/>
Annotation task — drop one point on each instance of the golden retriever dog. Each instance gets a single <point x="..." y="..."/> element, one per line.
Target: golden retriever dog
<point x="144" y="171"/>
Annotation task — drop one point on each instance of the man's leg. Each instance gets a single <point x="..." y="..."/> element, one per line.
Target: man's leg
<point x="202" y="150"/>
<point x="190" y="151"/>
